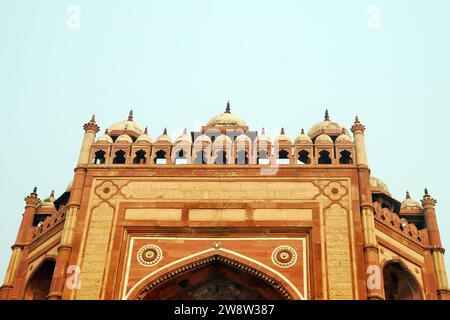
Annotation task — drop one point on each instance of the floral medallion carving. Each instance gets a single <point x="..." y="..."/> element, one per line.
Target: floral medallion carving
<point x="149" y="255"/>
<point x="335" y="191"/>
<point x="284" y="256"/>
<point x="106" y="190"/>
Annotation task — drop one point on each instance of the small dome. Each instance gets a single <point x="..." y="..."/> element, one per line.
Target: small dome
<point x="226" y="119"/>
<point x="105" y="138"/>
<point x="203" y="138"/>
<point x="243" y="139"/>
<point x="324" y="139"/>
<point x="263" y="137"/>
<point x="344" y="138"/>
<point x="410" y="204"/>
<point x="303" y="138"/>
<point x="164" y="137"/>
<point x="327" y="127"/>
<point x="144" y="138"/>
<point x="128" y="126"/>
<point x="124" y="138"/>
<point x="223" y="139"/>
<point x="379" y="186"/>
<point x="48" y="202"/>
<point x="283" y="137"/>
<point x="184" y="137"/>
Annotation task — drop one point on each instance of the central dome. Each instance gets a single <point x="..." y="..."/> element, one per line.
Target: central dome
<point x="327" y="127"/>
<point x="127" y="126"/>
<point x="226" y="119"/>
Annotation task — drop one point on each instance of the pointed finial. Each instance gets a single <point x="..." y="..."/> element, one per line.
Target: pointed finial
<point x="165" y="131"/>
<point x="327" y="115"/>
<point x="146" y="131"/>
<point x="52" y="195"/>
<point x="130" y="115"/>
<point x="107" y="132"/>
<point x="185" y="131"/>
<point x="408" y="196"/>
<point x="282" y="131"/>
<point x="263" y="131"/>
<point x="228" y="109"/>
<point x="358" y="127"/>
<point x="91" y="125"/>
<point x="32" y="199"/>
<point x="303" y="131"/>
<point x="426" y="192"/>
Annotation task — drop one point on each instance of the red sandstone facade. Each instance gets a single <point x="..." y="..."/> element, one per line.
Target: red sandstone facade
<point x="225" y="213"/>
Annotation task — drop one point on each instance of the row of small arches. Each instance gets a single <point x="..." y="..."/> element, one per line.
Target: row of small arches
<point x="303" y="157"/>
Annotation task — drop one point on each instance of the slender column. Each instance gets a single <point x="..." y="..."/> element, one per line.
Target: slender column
<point x="73" y="207"/>
<point x="437" y="251"/>
<point x="373" y="270"/>
<point x="31" y="201"/>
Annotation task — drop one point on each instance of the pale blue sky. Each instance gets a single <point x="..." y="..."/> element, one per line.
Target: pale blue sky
<point x="280" y="63"/>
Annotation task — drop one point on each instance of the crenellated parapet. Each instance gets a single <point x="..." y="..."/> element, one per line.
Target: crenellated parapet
<point x="400" y="225"/>
<point x="48" y="224"/>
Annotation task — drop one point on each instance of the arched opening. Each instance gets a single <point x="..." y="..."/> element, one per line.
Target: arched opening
<point x="140" y="157"/>
<point x="346" y="157"/>
<point x="38" y="287"/>
<point x="200" y="157"/>
<point x="283" y="157"/>
<point x="221" y="157"/>
<point x="215" y="278"/>
<point x="160" y="157"/>
<point x="262" y="157"/>
<point x="181" y="157"/>
<point x="120" y="157"/>
<point x="399" y="284"/>
<point x="303" y="157"/>
<point x="100" y="157"/>
<point x="242" y="157"/>
<point x="324" y="157"/>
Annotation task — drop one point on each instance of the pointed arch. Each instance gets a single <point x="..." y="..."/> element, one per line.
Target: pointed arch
<point x="233" y="259"/>
<point x="399" y="282"/>
<point x="39" y="282"/>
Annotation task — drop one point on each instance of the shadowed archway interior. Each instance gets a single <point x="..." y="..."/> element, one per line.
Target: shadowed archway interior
<point x="38" y="286"/>
<point x="218" y="279"/>
<point x="399" y="284"/>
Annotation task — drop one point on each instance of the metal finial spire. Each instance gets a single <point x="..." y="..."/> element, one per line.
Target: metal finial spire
<point x="282" y="131"/>
<point x="426" y="192"/>
<point x="263" y="131"/>
<point x="303" y="131"/>
<point x="228" y="109"/>
<point x="357" y="119"/>
<point x="185" y="131"/>
<point x="327" y="115"/>
<point x="146" y="131"/>
<point x="130" y="115"/>
<point x="35" y="189"/>
<point x="165" y="131"/>
<point x="408" y="196"/>
<point x="93" y="118"/>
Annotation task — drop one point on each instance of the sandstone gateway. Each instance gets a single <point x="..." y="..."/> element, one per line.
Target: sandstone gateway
<point x="225" y="213"/>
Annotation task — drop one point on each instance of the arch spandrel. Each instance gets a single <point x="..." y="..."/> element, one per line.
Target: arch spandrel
<point x="265" y="274"/>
